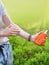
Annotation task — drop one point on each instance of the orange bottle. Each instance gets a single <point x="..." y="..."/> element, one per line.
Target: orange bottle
<point x="41" y="37"/>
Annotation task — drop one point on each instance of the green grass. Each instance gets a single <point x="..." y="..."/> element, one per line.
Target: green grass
<point x="32" y="16"/>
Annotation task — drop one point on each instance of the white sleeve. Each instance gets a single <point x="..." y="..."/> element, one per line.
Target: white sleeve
<point x="2" y="9"/>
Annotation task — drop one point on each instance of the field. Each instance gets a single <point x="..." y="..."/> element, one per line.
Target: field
<point x="32" y="16"/>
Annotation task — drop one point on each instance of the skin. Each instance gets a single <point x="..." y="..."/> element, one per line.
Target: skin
<point x="14" y="30"/>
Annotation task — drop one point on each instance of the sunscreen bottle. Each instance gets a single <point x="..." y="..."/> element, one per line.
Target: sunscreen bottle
<point x="40" y="38"/>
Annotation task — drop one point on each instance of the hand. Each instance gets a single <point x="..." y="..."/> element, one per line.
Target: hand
<point x="33" y="38"/>
<point x="10" y="31"/>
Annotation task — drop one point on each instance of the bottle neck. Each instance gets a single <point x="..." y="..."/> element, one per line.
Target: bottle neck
<point x="46" y="31"/>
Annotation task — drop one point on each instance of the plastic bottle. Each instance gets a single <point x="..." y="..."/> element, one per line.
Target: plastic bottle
<point x="41" y="37"/>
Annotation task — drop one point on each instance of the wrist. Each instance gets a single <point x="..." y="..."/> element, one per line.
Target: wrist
<point x="29" y="37"/>
<point x="32" y="39"/>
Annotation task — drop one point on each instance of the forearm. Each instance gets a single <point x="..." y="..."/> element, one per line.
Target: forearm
<point x="8" y="22"/>
<point x="6" y="19"/>
<point x="23" y="33"/>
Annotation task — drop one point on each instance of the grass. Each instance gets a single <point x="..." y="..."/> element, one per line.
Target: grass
<point x="32" y="16"/>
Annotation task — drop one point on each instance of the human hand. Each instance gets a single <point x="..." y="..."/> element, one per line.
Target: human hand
<point x="39" y="38"/>
<point x="10" y="31"/>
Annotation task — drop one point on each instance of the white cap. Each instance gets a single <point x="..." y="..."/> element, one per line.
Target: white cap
<point x="46" y="31"/>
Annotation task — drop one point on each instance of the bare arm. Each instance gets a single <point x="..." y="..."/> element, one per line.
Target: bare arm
<point x="8" y="22"/>
<point x="13" y="29"/>
<point x="22" y="33"/>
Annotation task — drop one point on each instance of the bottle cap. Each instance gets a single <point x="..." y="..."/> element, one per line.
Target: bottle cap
<point x="46" y="31"/>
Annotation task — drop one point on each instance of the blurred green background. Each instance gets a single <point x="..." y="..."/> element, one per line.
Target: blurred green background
<point x="32" y="16"/>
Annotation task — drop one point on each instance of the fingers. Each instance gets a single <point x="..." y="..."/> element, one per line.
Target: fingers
<point x="39" y="33"/>
<point x="13" y="27"/>
<point x="11" y="31"/>
<point x="14" y="32"/>
<point x="9" y="26"/>
<point x="36" y="36"/>
<point x="44" y="40"/>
